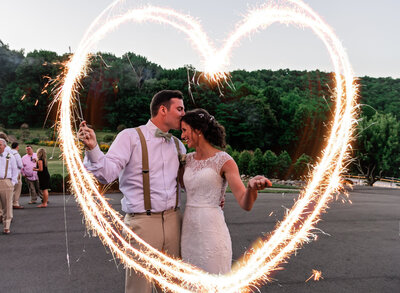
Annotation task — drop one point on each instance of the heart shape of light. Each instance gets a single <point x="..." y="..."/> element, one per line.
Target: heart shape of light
<point x="297" y="226"/>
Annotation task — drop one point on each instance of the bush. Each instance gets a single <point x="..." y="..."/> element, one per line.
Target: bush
<point x="25" y="189"/>
<point x="271" y="161"/>
<point x="244" y="160"/>
<point x="51" y="134"/>
<point x="257" y="163"/>
<point x="56" y="183"/>
<point x="108" y="138"/>
<point x="301" y="166"/>
<point x="120" y="127"/>
<point x="34" y="140"/>
<point x="229" y="150"/>
<point x="235" y="156"/>
<point x="284" y="163"/>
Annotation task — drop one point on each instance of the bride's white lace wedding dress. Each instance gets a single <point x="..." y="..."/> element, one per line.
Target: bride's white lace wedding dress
<point x="205" y="239"/>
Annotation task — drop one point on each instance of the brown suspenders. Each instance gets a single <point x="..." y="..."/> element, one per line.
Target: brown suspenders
<point x="146" y="175"/>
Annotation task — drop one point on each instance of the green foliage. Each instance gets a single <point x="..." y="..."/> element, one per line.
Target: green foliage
<point x="301" y="166"/>
<point x="283" y="164"/>
<point x="235" y="156"/>
<point x="56" y="183"/>
<point x="271" y="163"/>
<point x="229" y="150"/>
<point x="377" y="153"/>
<point x="108" y="138"/>
<point x="244" y="161"/>
<point x="257" y="164"/>
<point x="283" y="110"/>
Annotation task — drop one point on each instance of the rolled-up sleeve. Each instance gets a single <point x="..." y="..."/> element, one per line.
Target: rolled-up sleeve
<point x="106" y="168"/>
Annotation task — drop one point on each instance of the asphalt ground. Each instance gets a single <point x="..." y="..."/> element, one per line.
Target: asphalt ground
<point x="49" y="250"/>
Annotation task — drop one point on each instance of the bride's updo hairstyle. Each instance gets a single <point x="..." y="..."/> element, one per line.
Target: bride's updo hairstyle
<point x="201" y="120"/>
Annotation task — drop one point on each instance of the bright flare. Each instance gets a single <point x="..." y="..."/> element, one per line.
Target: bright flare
<point x="296" y="228"/>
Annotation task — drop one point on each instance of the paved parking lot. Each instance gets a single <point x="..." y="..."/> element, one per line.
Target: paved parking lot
<point x="49" y="251"/>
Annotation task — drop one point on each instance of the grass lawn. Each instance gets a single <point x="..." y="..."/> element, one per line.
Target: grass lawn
<point x="55" y="163"/>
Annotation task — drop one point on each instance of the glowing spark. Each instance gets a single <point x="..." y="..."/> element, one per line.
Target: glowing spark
<point x="316" y="275"/>
<point x="23" y="97"/>
<point x="37" y="101"/>
<point x="324" y="180"/>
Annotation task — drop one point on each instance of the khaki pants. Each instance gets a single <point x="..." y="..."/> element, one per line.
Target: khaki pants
<point x="163" y="232"/>
<point x="6" y="197"/>
<point x="17" y="191"/>
<point x="34" y="190"/>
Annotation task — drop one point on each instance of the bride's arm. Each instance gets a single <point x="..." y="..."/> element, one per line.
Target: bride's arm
<point x="244" y="196"/>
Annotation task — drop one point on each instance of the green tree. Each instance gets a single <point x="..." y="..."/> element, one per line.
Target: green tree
<point x="378" y="150"/>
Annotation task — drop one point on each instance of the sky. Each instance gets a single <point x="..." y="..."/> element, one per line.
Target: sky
<point x="369" y="30"/>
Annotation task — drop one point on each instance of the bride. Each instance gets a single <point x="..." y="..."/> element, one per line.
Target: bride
<point x="205" y="240"/>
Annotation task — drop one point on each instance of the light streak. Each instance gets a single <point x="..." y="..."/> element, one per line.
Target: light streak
<point x="316" y="275"/>
<point x="298" y="225"/>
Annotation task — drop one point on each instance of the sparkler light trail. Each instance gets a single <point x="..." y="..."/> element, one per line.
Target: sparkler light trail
<point x="295" y="229"/>
<point x="316" y="276"/>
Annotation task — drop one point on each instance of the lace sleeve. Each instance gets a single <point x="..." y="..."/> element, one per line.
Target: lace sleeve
<point x="221" y="160"/>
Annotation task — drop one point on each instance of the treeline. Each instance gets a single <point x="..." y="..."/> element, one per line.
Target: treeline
<point x="284" y="110"/>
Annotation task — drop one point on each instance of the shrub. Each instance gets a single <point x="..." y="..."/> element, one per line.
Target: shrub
<point x="229" y="150"/>
<point x="56" y="183"/>
<point x="257" y="163"/>
<point x="108" y="138"/>
<point x="25" y="189"/>
<point x="34" y="140"/>
<point x="284" y="163"/>
<point x="271" y="161"/>
<point x="301" y="166"/>
<point x="235" y="156"/>
<point x="244" y="160"/>
<point x="120" y="127"/>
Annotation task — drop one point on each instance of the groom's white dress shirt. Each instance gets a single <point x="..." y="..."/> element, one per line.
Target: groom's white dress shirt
<point x="124" y="160"/>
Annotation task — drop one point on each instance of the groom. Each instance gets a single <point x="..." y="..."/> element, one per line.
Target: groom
<point x="153" y="214"/>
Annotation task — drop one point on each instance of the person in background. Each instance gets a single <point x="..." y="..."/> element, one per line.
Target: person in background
<point x="6" y="150"/>
<point x="44" y="176"/>
<point x="31" y="177"/>
<point x="8" y="178"/>
<point x="18" y="186"/>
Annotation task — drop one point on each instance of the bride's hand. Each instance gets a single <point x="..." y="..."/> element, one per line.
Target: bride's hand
<point x="259" y="183"/>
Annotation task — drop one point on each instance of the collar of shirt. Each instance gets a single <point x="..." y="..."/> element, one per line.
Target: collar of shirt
<point x="151" y="130"/>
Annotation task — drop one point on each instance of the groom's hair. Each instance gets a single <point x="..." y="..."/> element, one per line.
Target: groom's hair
<point x="212" y="131"/>
<point x="163" y="98"/>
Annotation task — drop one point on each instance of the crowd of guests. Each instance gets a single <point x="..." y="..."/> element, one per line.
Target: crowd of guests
<point x="32" y="166"/>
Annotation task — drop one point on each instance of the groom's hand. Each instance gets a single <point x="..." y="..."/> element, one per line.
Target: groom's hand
<point x="87" y="136"/>
<point x="259" y="183"/>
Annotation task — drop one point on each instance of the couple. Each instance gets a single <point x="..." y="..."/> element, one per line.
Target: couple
<point x="154" y="216"/>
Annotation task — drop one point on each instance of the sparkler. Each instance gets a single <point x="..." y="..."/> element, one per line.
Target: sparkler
<point x="295" y="229"/>
<point x="316" y="276"/>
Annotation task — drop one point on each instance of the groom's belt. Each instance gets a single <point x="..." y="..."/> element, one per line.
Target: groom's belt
<point x="154" y="213"/>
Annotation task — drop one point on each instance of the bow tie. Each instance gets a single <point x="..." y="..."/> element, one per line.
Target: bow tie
<point x="166" y="135"/>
